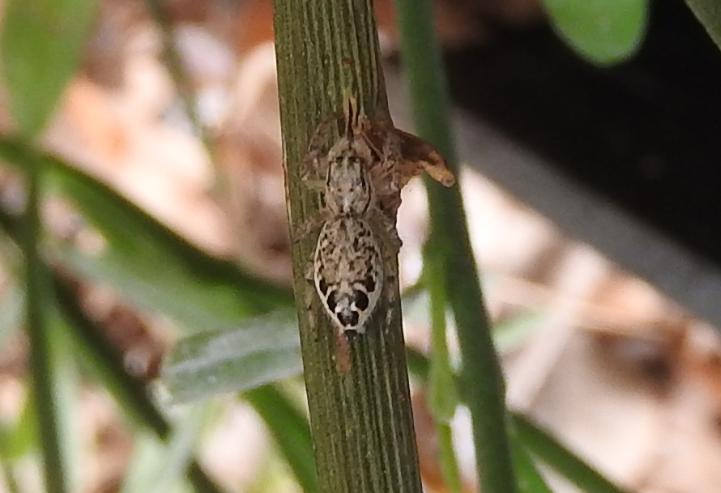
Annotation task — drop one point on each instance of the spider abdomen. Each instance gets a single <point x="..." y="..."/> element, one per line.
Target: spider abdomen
<point x="348" y="271"/>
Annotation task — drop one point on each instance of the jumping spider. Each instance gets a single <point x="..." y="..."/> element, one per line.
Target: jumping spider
<point x="360" y="178"/>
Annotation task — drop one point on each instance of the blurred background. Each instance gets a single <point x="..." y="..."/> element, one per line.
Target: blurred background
<point x="591" y="191"/>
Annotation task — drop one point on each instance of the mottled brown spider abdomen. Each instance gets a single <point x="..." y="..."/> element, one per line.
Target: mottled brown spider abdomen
<point x="348" y="272"/>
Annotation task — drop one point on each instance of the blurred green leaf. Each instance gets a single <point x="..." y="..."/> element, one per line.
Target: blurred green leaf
<point x="146" y="262"/>
<point x="108" y="366"/>
<point x="447" y="457"/>
<point x="442" y="394"/>
<point x="160" y="466"/>
<point x="11" y="305"/>
<point x="515" y="331"/>
<point x="65" y="389"/>
<point x="105" y="363"/>
<point x="529" y="478"/>
<point x="709" y="13"/>
<point x="42" y="362"/>
<point x="7" y="477"/>
<point x="17" y="438"/>
<point x="40" y="46"/>
<point x="260" y="350"/>
<point x="145" y="465"/>
<point x="273" y="474"/>
<point x="602" y="31"/>
<point x="562" y="460"/>
<point x="541" y="444"/>
<point x="156" y="269"/>
<point x="442" y="391"/>
<point x="289" y="427"/>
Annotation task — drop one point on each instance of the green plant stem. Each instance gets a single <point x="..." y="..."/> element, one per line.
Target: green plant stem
<point x="40" y="351"/>
<point x="481" y="379"/>
<point x="358" y="395"/>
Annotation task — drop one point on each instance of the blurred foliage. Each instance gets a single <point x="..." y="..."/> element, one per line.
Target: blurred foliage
<point x="443" y="396"/>
<point x="530" y="441"/>
<point x="17" y="438"/>
<point x="559" y="458"/>
<point x="160" y="466"/>
<point x="260" y="350"/>
<point x="104" y="206"/>
<point x="709" y="13"/>
<point x="602" y="31"/>
<point x="289" y="427"/>
<point x="40" y="46"/>
<point x="529" y="478"/>
<point x="442" y="392"/>
<point x="148" y="263"/>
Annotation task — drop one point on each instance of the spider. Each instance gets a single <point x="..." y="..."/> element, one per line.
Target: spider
<point x="360" y="178"/>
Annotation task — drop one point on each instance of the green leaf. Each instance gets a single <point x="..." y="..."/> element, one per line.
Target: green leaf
<point x="529" y="478"/>
<point x="147" y="263"/>
<point x="155" y="268"/>
<point x="447" y="457"/>
<point x="512" y="333"/>
<point x="537" y="441"/>
<point x="442" y="394"/>
<point x="289" y="427"/>
<point x="103" y="361"/>
<point x="158" y="466"/>
<point x="11" y="305"/>
<point x="40" y="46"/>
<point x="41" y="358"/>
<point x="602" y="31"/>
<point x="198" y="269"/>
<point x="259" y="351"/>
<point x="709" y="13"/>
<point x="262" y="350"/>
<point x="562" y="460"/>
<point x="16" y="439"/>
<point x="7" y="476"/>
<point x="147" y="460"/>
<point x="65" y="389"/>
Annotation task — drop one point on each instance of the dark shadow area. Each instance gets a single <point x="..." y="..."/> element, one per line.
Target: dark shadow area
<point x="643" y="134"/>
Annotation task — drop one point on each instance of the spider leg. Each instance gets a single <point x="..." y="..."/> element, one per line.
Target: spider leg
<point x="309" y="292"/>
<point x="310" y="225"/>
<point x="314" y="165"/>
<point x="385" y="230"/>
